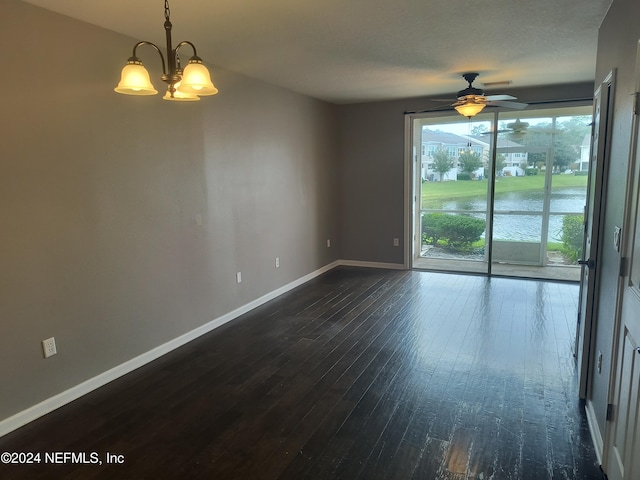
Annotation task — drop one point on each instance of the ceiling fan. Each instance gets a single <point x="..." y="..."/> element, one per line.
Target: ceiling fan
<point x="518" y="128"/>
<point x="472" y="101"/>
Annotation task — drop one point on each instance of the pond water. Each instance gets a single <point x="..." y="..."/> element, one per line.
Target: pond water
<point x="508" y="226"/>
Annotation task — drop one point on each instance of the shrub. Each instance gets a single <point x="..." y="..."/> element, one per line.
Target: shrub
<point x="431" y="228"/>
<point x="572" y="236"/>
<point x="457" y="232"/>
<point x="529" y="172"/>
<point x="581" y="173"/>
<point x="464" y="176"/>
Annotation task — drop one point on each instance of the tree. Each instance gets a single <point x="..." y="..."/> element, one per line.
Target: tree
<point x="469" y="161"/>
<point x="442" y="163"/>
<point x="565" y="136"/>
<point x="500" y="163"/>
<point x="564" y="154"/>
<point x="537" y="160"/>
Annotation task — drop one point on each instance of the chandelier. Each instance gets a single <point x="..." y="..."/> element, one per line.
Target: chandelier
<point x="185" y="85"/>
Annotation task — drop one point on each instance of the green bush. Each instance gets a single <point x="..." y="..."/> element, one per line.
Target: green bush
<point x="572" y="236"/>
<point x="464" y="176"/>
<point x="529" y="172"/>
<point x="581" y="173"/>
<point x="431" y="228"/>
<point x="456" y="232"/>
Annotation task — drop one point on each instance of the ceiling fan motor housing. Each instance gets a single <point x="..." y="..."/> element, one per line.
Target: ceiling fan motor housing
<point x="470" y="90"/>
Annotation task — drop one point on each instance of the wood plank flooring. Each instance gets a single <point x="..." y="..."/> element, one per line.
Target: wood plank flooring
<point x="358" y="374"/>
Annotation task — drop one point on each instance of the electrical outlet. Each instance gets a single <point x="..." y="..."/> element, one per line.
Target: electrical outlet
<point x="49" y="347"/>
<point x="396" y="242"/>
<point x="328" y="243"/>
<point x="239" y="277"/>
<point x="277" y="262"/>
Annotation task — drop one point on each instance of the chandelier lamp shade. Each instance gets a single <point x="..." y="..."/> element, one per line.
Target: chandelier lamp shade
<point x="183" y="85"/>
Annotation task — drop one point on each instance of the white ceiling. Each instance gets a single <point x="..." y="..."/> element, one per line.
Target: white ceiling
<point x="347" y="51"/>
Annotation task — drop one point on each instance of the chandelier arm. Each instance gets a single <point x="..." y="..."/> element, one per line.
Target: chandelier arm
<point x="139" y="44"/>
<point x="186" y="42"/>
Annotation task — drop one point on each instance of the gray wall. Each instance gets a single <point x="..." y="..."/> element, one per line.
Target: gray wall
<point x="100" y="196"/>
<point x="617" y="43"/>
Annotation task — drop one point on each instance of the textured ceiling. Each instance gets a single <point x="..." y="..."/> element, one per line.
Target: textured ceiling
<point x="347" y="51"/>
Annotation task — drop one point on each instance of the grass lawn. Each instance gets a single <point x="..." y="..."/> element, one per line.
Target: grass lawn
<point x="475" y="188"/>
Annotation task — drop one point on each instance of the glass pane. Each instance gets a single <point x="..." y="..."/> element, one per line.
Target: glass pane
<point x="517" y="239"/>
<point x="454" y="161"/>
<point x="568" y="194"/>
<point x="571" y="138"/>
<point x="519" y="194"/>
<point x="517" y="227"/>
<point x="542" y="170"/>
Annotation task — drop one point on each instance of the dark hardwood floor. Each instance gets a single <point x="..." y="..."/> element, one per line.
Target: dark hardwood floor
<point x="359" y="374"/>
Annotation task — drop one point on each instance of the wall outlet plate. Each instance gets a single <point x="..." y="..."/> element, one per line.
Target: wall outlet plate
<point x="49" y="347"/>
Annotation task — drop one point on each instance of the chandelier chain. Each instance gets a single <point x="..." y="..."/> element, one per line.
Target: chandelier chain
<point x="167" y="12"/>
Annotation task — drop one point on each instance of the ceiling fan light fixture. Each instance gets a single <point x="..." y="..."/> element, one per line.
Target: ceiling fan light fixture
<point x="472" y="101"/>
<point x="469" y="107"/>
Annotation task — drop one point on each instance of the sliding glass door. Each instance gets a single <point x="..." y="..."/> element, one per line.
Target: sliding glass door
<point x="503" y="193"/>
<point x="521" y="208"/>
<point x="453" y="165"/>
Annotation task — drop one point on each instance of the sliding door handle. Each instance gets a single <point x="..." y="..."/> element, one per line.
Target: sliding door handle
<point x="591" y="263"/>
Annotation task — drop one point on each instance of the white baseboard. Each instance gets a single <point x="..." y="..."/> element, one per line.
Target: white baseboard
<point x="594" y="429"/>
<point x="30" y="414"/>
<point x="358" y="263"/>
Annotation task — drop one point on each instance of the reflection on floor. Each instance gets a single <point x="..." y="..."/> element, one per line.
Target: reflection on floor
<point x="569" y="273"/>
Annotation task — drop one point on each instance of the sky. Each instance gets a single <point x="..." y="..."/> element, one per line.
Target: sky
<point x="462" y="126"/>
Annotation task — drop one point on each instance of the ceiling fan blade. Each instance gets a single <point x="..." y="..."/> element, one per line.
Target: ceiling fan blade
<point x="502" y="103"/>
<point x="500" y="97"/>
<point x="545" y="130"/>
<point x="440" y="108"/>
<point x="499" y="131"/>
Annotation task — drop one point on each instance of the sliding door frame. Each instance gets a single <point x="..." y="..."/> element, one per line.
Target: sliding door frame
<point x="413" y="185"/>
